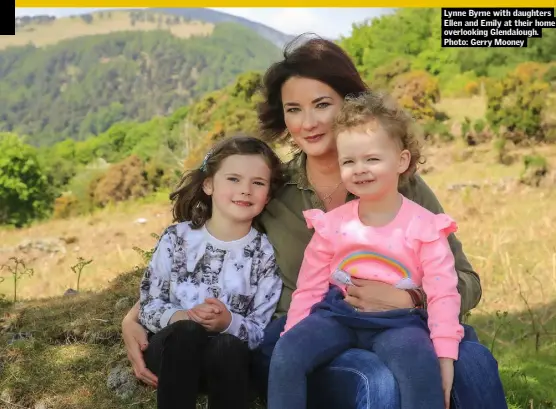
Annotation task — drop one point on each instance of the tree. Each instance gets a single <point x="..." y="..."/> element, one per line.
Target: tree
<point x="24" y="192"/>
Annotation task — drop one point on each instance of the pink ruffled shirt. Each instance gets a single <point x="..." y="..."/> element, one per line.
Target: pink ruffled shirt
<point x="411" y="251"/>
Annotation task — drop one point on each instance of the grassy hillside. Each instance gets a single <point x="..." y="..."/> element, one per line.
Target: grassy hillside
<point x="79" y="87"/>
<point x="213" y="16"/>
<point x="510" y="246"/>
<point x="42" y="32"/>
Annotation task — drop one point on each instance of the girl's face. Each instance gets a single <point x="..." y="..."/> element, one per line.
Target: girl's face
<point x="240" y="188"/>
<point x="310" y="107"/>
<point x="370" y="161"/>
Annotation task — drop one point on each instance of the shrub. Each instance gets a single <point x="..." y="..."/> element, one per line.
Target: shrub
<point x="535" y="168"/>
<point x="382" y="76"/>
<point x="25" y="194"/>
<point x="123" y="181"/>
<point x="65" y="206"/>
<point x="517" y="103"/>
<point x="417" y="91"/>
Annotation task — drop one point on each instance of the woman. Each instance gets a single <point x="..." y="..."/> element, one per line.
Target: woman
<point x="303" y="93"/>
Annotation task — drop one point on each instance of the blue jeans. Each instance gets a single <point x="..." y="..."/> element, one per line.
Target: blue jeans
<point x="318" y="339"/>
<point x="358" y="379"/>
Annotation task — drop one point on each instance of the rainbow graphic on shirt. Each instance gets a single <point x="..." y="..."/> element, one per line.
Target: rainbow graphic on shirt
<point x="358" y="260"/>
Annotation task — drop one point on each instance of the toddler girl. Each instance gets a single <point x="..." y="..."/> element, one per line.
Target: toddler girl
<point x="380" y="236"/>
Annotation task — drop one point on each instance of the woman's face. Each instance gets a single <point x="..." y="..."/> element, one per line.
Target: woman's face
<point x="310" y="107"/>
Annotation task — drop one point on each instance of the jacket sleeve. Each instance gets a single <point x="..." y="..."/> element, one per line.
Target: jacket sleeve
<point x="314" y="274"/>
<point x="250" y="328"/>
<point x="469" y="284"/>
<point x="155" y="307"/>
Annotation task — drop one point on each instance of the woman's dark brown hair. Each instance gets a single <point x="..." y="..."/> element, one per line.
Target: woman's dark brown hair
<point x="192" y="204"/>
<point x="318" y="59"/>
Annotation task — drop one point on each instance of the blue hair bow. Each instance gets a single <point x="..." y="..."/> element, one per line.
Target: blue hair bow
<point x="205" y="160"/>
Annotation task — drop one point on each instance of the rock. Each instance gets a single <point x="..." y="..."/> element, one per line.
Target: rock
<point x="19" y="336"/>
<point x="47" y="245"/>
<point x="70" y="291"/>
<point x="40" y="405"/>
<point x="141" y="220"/>
<point x="122" y="382"/>
<point x="122" y="303"/>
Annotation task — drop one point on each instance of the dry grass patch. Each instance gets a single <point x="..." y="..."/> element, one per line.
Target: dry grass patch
<point x="107" y="237"/>
<point x="459" y="108"/>
<point x="66" y="28"/>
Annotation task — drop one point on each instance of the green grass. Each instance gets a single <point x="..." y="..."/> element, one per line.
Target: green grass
<point x="76" y="341"/>
<point x="507" y="232"/>
<point x="525" y="349"/>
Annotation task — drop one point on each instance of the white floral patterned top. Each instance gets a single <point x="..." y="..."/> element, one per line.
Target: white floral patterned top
<point x="190" y="265"/>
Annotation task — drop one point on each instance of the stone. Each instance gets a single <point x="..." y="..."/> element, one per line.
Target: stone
<point x="122" y="381"/>
<point x="122" y="304"/>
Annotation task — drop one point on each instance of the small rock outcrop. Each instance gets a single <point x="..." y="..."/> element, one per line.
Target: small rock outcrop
<point x="122" y="382"/>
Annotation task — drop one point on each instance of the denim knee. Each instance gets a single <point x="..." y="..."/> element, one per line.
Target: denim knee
<point x="356" y="379"/>
<point x="284" y="352"/>
<point x="477" y="355"/>
<point x="470" y="334"/>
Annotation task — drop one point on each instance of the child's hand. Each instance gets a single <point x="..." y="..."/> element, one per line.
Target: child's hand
<point x="447" y="373"/>
<point x="220" y="321"/>
<point x="203" y="312"/>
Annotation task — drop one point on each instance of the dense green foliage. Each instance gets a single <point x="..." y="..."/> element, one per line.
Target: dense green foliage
<point x="82" y="86"/>
<point x="145" y="156"/>
<point x="415" y="35"/>
<point x="521" y="103"/>
<point x="24" y="191"/>
<point x="135" y="153"/>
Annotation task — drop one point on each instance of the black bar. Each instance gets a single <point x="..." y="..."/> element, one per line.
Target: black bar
<point x="7" y="24"/>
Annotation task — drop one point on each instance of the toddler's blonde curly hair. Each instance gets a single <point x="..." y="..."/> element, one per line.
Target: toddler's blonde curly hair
<point x="369" y="108"/>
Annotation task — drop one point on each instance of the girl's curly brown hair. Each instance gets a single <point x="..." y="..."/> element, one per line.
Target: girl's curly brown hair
<point x="366" y="107"/>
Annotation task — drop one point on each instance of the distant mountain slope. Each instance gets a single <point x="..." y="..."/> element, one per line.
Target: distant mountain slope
<point x="46" y="30"/>
<point x="82" y="86"/>
<point x="212" y="16"/>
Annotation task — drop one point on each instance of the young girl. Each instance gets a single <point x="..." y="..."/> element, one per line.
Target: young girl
<point x="380" y="236"/>
<point x="212" y="284"/>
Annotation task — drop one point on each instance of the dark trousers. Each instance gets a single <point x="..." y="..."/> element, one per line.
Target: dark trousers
<point x="187" y="360"/>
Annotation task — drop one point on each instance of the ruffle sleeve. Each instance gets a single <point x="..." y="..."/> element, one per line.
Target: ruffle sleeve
<point x="430" y="228"/>
<point x="315" y="219"/>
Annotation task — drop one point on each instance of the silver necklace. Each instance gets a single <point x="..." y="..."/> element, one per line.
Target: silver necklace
<point x="327" y="198"/>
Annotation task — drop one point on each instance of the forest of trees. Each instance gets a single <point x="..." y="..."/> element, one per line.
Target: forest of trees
<point x="410" y="39"/>
<point x="399" y="52"/>
<point x="80" y="87"/>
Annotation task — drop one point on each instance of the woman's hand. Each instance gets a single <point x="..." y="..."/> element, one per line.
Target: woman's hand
<point x="374" y="296"/>
<point x="135" y="339"/>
